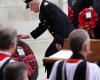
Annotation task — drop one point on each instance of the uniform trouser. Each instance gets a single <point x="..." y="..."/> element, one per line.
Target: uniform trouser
<point x="50" y="51"/>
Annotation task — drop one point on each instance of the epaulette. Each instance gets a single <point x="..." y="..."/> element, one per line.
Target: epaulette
<point x="46" y="3"/>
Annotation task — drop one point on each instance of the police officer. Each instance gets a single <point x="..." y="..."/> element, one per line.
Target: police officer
<point x="55" y="20"/>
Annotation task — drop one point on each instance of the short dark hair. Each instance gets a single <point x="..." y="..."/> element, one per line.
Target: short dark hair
<point x="77" y="39"/>
<point x="14" y="70"/>
<point x="7" y="37"/>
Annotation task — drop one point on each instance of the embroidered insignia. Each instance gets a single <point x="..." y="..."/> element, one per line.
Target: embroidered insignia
<point x="45" y="3"/>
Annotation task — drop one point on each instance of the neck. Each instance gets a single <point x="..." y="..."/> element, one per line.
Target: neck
<point x="8" y="51"/>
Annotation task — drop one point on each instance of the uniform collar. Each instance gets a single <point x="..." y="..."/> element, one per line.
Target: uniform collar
<point x="40" y="4"/>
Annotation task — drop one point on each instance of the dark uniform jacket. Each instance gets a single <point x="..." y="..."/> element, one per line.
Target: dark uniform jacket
<point x="55" y="20"/>
<point x="77" y="6"/>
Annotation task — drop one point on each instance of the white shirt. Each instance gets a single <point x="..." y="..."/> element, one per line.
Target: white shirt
<point x="92" y="71"/>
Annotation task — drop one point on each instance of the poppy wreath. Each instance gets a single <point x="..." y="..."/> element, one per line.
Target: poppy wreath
<point x="70" y="13"/>
<point x="29" y="59"/>
<point x="87" y="24"/>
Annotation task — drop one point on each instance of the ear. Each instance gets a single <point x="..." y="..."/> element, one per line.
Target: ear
<point x="85" y="47"/>
<point x="84" y="50"/>
<point x="13" y="46"/>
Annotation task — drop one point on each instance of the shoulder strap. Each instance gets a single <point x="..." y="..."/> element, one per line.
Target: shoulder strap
<point x="59" y="71"/>
<point x="80" y="73"/>
<point x="2" y="67"/>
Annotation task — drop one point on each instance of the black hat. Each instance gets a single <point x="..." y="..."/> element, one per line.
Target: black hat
<point x="27" y="1"/>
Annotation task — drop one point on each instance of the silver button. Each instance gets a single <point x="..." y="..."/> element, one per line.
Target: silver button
<point x="43" y="23"/>
<point x="44" y="20"/>
<point x="48" y="26"/>
<point x="52" y="32"/>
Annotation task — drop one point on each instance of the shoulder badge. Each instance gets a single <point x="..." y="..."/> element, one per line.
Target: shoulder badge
<point x="46" y="3"/>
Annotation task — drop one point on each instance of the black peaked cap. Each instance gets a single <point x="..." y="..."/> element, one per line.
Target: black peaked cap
<point x="27" y="1"/>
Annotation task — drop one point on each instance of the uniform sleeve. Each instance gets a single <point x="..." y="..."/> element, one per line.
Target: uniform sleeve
<point x="39" y="30"/>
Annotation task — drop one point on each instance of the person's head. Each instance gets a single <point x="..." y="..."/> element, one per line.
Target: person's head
<point x="8" y="38"/>
<point x="79" y="42"/>
<point x="15" y="71"/>
<point x="33" y="5"/>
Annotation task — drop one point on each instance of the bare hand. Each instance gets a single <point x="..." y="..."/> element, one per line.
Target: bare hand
<point x="21" y="36"/>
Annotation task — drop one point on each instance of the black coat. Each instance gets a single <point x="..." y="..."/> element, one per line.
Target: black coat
<point x="55" y="20"/>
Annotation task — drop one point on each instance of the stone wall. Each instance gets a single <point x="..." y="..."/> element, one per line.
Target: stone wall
<point x="13" y="12"/>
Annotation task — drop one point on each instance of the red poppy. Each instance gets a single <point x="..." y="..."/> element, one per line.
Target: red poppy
<point x="90" y="23"/>
<point x="70" y="13"/>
